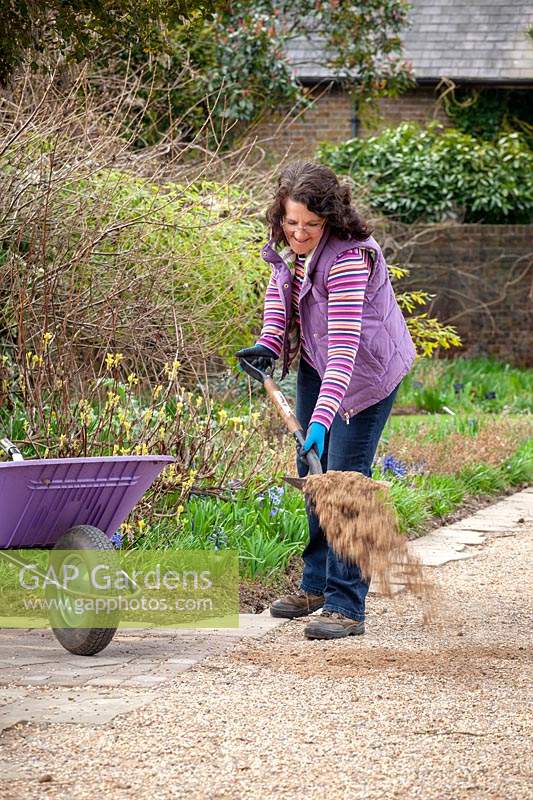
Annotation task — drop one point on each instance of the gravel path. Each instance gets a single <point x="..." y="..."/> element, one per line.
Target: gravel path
<point x="402" y="712"/>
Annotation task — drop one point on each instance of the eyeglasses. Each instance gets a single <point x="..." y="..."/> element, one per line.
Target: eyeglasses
<point x="310" y="227"/>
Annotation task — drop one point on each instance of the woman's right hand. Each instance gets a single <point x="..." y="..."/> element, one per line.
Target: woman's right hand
<point x="258" y="356"/>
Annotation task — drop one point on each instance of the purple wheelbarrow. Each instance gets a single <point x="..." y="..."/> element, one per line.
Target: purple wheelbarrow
<point x="72" y="504"/>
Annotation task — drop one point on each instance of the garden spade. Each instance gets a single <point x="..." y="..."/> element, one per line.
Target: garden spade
<point x="358" y="519"/>
<point x="284" y="410"/>
<point x="282" y="405"/>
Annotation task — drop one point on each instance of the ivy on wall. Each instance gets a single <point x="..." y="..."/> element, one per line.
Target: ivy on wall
<point x="486" y="113"/>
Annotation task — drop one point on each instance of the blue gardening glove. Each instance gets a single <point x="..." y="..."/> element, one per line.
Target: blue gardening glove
<point x="258" y="356"/>
<point x="316" y="435"/>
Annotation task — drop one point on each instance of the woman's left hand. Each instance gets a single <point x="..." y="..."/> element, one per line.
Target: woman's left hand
<point x="316" y="436"/>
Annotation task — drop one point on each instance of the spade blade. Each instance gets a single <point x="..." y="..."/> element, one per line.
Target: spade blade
<point x="298" y="483"/>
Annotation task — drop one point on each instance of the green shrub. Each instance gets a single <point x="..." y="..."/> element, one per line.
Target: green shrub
<point x="429" y="174"/>
<point x="168" y="269"/>
<point x="482" y="479"/>
<point x="215" y="73"/>
<point x="265" y="529"/>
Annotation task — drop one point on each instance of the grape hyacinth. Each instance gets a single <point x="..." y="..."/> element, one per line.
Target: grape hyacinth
<point x="275" y="495"/>
<point x="116" y="540"/>
<point x="391" y="464"/>
<point x="218" y="538"/>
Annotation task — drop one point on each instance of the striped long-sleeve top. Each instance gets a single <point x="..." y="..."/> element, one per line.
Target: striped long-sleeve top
<point x="346" y="285"/>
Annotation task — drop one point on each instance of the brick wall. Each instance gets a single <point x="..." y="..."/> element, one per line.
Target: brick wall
<point x="418" y="105"/>
<point x="331" y="117"/>
<point x="482" y="278"/>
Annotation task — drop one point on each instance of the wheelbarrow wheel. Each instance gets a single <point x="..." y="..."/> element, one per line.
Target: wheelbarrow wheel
<point x="81" y="641"/>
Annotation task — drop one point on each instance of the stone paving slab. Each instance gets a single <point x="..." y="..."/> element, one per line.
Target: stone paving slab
<point x="486" y="526"/>
<point x="457" y="541"/>
<point x="462" y="536"/>
<point x="41" y="676"/>
<point x="92" y="707"/>
<point x="435" y="551"/>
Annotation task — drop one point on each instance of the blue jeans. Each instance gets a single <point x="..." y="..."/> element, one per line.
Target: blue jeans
<point x="348" y="447"/>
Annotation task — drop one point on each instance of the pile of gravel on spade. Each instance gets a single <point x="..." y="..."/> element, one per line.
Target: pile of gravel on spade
<point x="359" y="521"/>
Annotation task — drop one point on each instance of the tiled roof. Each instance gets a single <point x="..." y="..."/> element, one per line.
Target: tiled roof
<point x="458" y="39"/>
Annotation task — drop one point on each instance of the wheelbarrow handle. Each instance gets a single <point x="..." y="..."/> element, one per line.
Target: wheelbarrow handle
<point x="280" y="402"/>
<point x="11" y="450"/>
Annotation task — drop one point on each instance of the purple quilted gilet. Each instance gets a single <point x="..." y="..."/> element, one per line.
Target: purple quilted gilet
<point x="386" y="352"/>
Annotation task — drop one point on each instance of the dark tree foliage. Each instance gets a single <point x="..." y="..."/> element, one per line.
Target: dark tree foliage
<point x="31" y="27"/>
<point x="209" y="65"/>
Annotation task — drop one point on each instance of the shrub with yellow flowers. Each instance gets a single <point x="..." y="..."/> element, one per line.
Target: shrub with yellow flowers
<point x="119" y="413"/>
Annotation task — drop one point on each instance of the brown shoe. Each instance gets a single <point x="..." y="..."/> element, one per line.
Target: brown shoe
<point x="296" y="605"/>
<point x="332" y="625"/>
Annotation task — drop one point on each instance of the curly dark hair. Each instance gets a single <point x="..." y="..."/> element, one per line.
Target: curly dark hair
<point x="317" y="187"/>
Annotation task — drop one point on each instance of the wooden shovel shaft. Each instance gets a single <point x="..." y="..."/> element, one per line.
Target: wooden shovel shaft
<point x="284" y="409"/>
<point x="285" y="412"/>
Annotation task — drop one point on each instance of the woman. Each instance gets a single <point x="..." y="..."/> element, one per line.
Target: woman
<point x="330" y="300"/>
